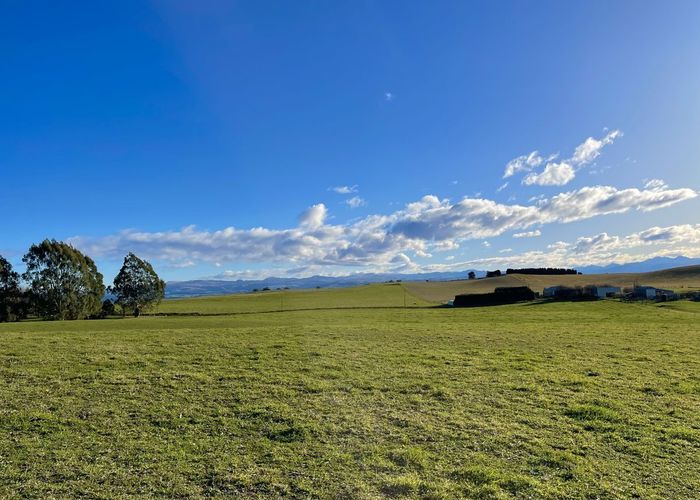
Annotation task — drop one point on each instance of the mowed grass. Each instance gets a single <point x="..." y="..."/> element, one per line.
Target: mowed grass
<point x="561" y="400"/>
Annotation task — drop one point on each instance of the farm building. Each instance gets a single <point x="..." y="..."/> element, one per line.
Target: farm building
<point x="665" y="295"/>
<point x="551" y="291"/>
<point x="644" y="292"/>
<point x="567" y="293"/>
<point x="589" y="291"/>
<point x="500" y="296"/>
<point x="602" y="291"/>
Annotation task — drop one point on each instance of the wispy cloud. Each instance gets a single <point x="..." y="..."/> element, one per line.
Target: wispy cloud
<point x="564" y="171"/>
<point x="523" y="163"/>
<point x="655" y="184"/>
<point x="528" y="234"/>
<point x="591" y="148"/>
<point x="355" y="202"/>
<point x="344" y="189"/>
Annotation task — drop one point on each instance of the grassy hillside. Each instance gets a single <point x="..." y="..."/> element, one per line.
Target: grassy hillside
<point x="533" y="401"/>
<point x="679" y="279"/>
<point x="379" y="295"/>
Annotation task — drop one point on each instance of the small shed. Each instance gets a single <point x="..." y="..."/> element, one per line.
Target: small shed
<point x="551" y="291"/>
<point x="603" y="291"/>
<point x="500" y="296"/>
<point x="566" y="293"/>
<point x="644" y="292"/>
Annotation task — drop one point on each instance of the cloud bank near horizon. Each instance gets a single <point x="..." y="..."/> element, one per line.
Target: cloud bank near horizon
<point x="387" y="242"/>
<point x="598" y="250"/>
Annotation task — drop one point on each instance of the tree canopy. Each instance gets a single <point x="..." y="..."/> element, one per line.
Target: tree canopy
<point x="137" y="286"/>
<point x="11" y="303"/>
<point x="541" y="270"/>
<point x="63" y="282"/>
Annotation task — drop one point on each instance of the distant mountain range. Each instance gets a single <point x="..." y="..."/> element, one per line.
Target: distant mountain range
<point x="195" y="288"/>
<point x="655" y="264"/>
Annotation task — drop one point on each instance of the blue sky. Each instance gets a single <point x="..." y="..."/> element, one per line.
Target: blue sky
<point x="208" y="137"/>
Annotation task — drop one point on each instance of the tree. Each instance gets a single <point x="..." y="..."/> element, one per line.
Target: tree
<point x="137" y="286"/>
<point x="471" y="275"/>
<point x="11" y="299"/>
<point x="63" y="282"/>
<point x="107" y="309"/>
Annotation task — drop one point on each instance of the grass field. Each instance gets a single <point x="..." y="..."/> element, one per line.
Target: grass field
<point x="379" y="295"/>
<point x="680" y="279"/>
<point x="560" y="400"/>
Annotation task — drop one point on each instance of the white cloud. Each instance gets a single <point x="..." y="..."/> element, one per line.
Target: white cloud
<point x="505" y="250"/>
<point x="486" y="244"/>
<point x="388" y="96"/>
<point x="183" y="264"/>
<point x="445" y="245"/>
<point x="375" y="241"/>
<point x="563" y="172"/>
<point x="502" y="187"/>
<point x="597" y="250"/>
<point x="471" y="218"/>
<point x="528" y="234"/>
<point x="313" y="217"/>
<point x="590" y="149"/>
<point x="554" y="174"/>
<point x="655" y="184"/>
<point x="403" y="263"/>
<point x="680" y="234"/>
<point x="523" y="163"/>
<point x="344" y="189"/>
<point x="558" y="245"/>
<point x="355" y="202"/>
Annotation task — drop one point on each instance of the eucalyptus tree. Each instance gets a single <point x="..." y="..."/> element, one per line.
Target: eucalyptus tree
<point x="137" y="286"/>
<point x="63" y="282"/>
<point x="11" y="300"/>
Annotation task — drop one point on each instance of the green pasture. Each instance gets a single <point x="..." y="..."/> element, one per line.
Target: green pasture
<point x="559" y="400"/>
<point x="379" y="295"/>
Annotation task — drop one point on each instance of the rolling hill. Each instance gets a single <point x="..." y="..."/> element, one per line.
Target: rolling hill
<point x="386" y="295"/>
<point x="678" y="278"/>
<point x="220" y="286"/>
